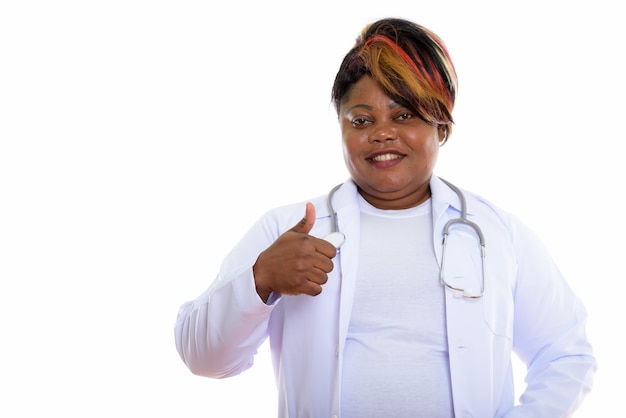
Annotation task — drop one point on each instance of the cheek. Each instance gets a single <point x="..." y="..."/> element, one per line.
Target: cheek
<point x="432" y="152"/>
<point x="430" y="143"/>
<point x="351" y="145"/>
<point x="353" y="155"/>
<point x="434" y="149"/>
<point x="426" y="154"/>
<point x="348" y="153"/>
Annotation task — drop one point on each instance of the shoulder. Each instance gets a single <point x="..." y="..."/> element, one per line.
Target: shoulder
<point x="286" y="216"/>
<point x="506" y="227"/>
<point x="490" y="215"/>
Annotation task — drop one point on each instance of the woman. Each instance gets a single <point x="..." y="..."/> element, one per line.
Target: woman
<point x="393" y="322"/>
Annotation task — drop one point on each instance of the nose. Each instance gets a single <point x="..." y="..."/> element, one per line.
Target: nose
<point x="383" y="132"/>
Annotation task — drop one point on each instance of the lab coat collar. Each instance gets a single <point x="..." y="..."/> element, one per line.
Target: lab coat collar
<point x="442" y="195"/>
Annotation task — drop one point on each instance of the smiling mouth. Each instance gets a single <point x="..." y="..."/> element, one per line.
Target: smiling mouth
<point x="386" y="157"/>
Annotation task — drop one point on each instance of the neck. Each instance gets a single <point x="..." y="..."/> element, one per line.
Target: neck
<point x="397" y="202"/>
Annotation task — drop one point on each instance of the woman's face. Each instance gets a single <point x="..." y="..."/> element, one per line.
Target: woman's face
<point x="389" y="151"/>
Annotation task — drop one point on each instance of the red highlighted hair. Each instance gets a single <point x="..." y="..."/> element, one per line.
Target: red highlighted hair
<point x="409" y="62"/>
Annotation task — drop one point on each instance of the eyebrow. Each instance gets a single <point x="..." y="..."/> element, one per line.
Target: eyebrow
<point x="368" y="107"/>
<point x="359" y="106"/>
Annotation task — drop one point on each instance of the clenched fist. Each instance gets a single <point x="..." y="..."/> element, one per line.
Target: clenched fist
<point x="296" y="263"/>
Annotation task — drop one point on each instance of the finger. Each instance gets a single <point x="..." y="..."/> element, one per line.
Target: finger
<point x="323" y="263"/>
<point x="311" y="288"/>
<point x="317" y="276"/>
<point x="306" y="224"/>
<point x="325" y="248"/>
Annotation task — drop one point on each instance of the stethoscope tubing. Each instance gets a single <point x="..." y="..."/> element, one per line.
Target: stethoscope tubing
<point x="337" y="238"/>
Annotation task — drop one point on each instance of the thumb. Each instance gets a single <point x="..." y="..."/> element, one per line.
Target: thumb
<point x="306" y="224"/>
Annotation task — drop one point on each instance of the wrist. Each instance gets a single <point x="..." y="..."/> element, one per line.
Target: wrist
<point x="263" y="291"/>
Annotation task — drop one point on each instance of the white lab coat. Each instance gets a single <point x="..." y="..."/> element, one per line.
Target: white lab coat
<point x="527" y="308"/>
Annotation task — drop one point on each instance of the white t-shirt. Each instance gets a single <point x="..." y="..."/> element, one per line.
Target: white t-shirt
<point x="396" y="354"/>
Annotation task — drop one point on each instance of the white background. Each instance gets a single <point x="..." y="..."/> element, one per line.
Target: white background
<point x="140" y="139"/>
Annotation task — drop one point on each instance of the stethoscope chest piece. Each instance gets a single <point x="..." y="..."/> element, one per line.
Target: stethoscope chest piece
<point x="336" y="238"/>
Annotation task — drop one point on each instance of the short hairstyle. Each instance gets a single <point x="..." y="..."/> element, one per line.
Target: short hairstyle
<point x="409" y="62"/>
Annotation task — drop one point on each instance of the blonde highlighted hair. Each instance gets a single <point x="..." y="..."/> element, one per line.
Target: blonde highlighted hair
<point x="409" y="62"/>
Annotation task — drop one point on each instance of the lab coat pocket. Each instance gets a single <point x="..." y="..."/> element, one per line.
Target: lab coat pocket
<point x="498" y="303"/>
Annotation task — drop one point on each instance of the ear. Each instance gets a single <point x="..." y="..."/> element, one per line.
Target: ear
<point x="444" y="131"/>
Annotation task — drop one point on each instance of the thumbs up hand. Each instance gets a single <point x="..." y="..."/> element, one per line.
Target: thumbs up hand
<point x="296" y="263"/>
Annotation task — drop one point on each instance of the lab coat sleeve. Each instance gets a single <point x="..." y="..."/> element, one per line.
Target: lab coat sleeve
<point x="549" y="334"/>
<point x="218" y="334"/>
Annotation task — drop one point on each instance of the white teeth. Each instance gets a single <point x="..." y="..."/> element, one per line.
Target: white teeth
<point x="386" y="157"/>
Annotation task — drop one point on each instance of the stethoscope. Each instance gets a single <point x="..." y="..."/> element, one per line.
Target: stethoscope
<point x="337" y="238"/>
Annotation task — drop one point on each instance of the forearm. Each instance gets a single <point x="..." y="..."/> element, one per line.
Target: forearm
<point x="558" y="390"/>
<point x="218" y="334"/>
<point x="559" y="376"/>
<point x="550" y="334"/>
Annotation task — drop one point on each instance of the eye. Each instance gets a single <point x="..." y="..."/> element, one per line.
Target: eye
<point x="360" y="122"/>
<point x="404" y="116"/>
